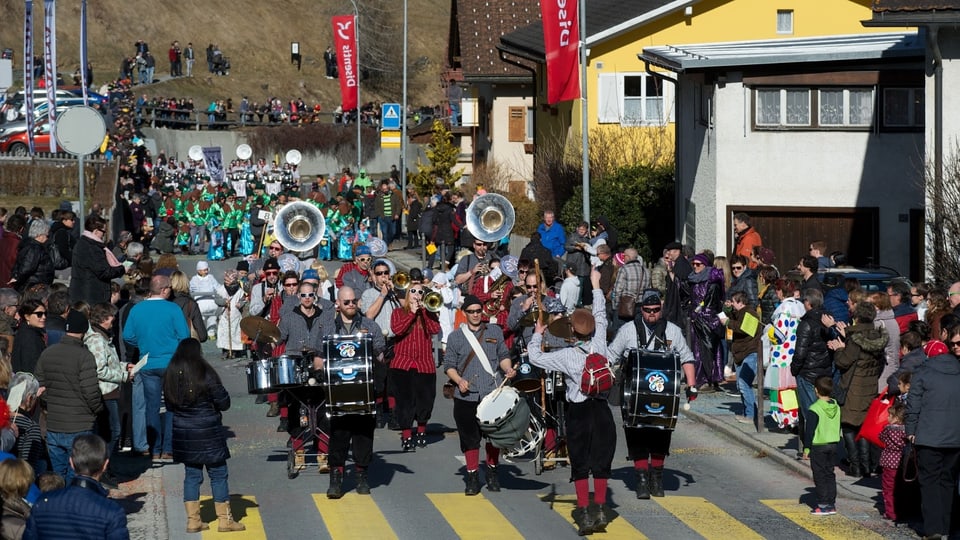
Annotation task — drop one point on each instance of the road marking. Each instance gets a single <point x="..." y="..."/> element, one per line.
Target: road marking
<point x="244" y="509"/>
<point x="353" y="516"/>
<point x="473" y="517"/>
<point x="827" y="527"/>
<point x="706" y="518"/>
<point x="616" y="529"/>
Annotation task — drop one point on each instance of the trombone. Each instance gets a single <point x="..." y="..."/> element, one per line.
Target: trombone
<point x="433" y="301"/>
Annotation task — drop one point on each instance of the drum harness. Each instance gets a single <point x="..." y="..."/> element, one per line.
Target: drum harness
<point x="659" y="334"/>
<point x="478" y="350"/>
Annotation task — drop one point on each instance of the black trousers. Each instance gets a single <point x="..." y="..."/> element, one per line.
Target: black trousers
<point x="465" y="416"/>
<point x="415" y="393"/>
<point x="641" y="442"/>
<point x="591" y="439"/>
<point x="822" y="459"/>
<point x="356" y="429"/>
<point x="937" y="473"/>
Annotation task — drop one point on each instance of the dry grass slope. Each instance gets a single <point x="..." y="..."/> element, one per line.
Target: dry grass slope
<point x="255" y="36"/>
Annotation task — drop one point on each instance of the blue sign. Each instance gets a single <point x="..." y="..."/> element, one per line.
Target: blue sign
<point x="390" y="116"/>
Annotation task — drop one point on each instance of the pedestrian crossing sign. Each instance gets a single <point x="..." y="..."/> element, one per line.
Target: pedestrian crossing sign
<point x="390" y="116"/>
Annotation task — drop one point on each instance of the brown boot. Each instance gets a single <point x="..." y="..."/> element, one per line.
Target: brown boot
<point x="193" y="517"/>
<point x="227" y="524"/>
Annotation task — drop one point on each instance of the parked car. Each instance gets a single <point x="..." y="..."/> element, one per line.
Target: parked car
<point x="871" y="278"/>
<point x="18" y="145"/>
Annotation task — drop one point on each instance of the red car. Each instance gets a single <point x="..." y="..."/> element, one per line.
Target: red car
<point x="17" y="145"/>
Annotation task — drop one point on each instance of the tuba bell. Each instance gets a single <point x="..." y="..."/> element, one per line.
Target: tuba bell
<point x="490" y="217"/>
<point x="401" y="281"/>
<point x="299" y="226"/>
<point x="433" y="301"/>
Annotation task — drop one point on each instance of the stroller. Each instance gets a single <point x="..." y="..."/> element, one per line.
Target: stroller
<point x="221" y="64"/>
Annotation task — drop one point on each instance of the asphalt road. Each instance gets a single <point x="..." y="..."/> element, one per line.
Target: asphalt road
<point x="715" y="489"/>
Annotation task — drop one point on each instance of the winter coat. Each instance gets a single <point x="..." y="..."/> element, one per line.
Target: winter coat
<point x="576" y="258"/>
<point x="163" y="241"/>
<point x="91" y="276"/>
<point x="110" y="372"/>
<point x="746" y="283"/>
<point x="886" y="319"/>
<point x="81" y="510"/>
<point x="768" y="304"/>
<point x="933" y="403"/>
<point x="908" y="364"/>
<point x="191" y="312"/>
<point x="743" y="343"/>
<point x="27" y="346"/>
<point x="63" y="238"/>
<point x="198" y="433"/>
<point x="860" y="363"/>
<point x="9" y="244"/>
<point x="33" y="265"/>
<point x="413" y="216"/>
<point x="443" y="223"/>
<point x="812" y="358"/>
<point x="69" y="372"/>
<point x="14" y="518"/>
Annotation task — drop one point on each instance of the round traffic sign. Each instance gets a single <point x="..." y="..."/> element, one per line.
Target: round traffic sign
<point x="80" y="130"/>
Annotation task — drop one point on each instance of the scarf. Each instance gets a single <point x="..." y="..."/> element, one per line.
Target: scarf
<point x="111" y="258"/>
<point x="701" y="276"/>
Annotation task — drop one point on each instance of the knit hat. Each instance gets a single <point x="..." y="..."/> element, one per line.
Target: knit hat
<point x="363" y="250"/>
<point x="470" y="300"/>
<point x="311" y="274"/>
<point x="271" y="264"/>
<point x="202" y="265"/>
<point x="243" y="266"/>
<point x="701" y="258"/>
<point x="76" y="323"/>
<point x="935" y="347"/>
<point x="619" y="259"/>
<point x="765" y="255"/>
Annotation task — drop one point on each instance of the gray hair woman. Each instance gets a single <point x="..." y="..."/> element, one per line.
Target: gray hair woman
<point x="29" y="445"/>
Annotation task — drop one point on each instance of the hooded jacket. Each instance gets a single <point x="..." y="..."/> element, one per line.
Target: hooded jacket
<point x="933" y="403"/>
<point x="824" y="425"/>
<point x="860" y="363"/>
<point x="812" y="358"/>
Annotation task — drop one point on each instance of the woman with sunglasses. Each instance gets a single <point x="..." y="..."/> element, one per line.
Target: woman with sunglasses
<point x="31" y="337"/>
<point x="706" y="299"/>
<point x="413" y="369"/>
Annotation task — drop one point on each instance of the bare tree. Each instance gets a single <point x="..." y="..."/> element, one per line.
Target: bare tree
<point x="943" y="220"/>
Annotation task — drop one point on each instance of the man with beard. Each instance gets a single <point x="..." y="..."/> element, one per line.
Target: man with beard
<point x="356" y="274"/>
<point x="473" y="266"/>
<point x="378" y="303"/>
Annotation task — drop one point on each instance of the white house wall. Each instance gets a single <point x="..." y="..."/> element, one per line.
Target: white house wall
<point x="510" y="155"/>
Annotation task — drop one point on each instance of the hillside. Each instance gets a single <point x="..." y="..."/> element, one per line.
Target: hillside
<point x="256" y="37"/>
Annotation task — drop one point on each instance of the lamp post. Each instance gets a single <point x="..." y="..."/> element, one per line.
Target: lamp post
<point x="403" y="112"/>
<point x="356" y="30"/>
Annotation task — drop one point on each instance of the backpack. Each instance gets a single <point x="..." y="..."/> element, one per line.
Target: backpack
<point x="597" y="378"/>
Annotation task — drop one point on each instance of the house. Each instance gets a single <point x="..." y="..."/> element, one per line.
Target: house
<point x="816" y="138"/>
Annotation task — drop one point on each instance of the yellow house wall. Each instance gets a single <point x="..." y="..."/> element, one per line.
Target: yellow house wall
<point x="718" y="21"/>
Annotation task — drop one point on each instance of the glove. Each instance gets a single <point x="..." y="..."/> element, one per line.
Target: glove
<point x="692" y="393"/>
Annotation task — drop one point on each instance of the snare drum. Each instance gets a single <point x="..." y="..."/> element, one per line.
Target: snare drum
<point x="504" y="417"/>
<point x="651" y="389"/>
<point x="528" y="376"/>
<point x="348" y="374"/>
<point x="288" y="371"/>
<point x="259" y="377"/>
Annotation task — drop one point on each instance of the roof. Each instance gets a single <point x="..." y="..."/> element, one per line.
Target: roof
<point x="913" y="12"/>
<point x="605" y="19"/>
<point x="681" y="58"/>
<point x="915" y="5"/>
<point x="480" y="24"/>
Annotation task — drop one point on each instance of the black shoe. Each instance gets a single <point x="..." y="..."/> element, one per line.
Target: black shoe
<point x="109" y="481"/>
<point x="363" y="485"/>
<point x="335" y="491"/>
<point x="261" y="399"/>
<point x="643" y="484"/>
<point x="392" y="424"/>
<point x="583" y="520"/>
<point x="422" y="440"/>
<point x="473" y="483"/>
<point x="656" y="481"/>
<point x="284" y="425"/>
<point x="493" y="481"/>
<point x="382" y="419"/>
<point x="408" y="445"/>
<point x="598" y="513"/>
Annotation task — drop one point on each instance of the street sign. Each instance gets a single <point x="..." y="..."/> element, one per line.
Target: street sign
<point x="389" y="139"/>
<point x="390" y="116"/>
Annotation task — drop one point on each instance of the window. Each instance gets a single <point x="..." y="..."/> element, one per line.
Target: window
<point x="529" y="133"/>
<point x="783" y="107"/>
<point x="632" y="99"/>
<point x="517" y="127"/>
<point x="784" y="21"/>
<point x="903" y="107"/>
<point x="846" y="107"/>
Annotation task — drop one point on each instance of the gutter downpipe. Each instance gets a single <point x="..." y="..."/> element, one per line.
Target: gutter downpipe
<point x="934" y="42"/>
<point x="681" y="217"/>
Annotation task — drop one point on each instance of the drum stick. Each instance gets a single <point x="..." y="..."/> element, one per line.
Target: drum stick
<point x="543" y="392"/>
<point x="539" y="297"/>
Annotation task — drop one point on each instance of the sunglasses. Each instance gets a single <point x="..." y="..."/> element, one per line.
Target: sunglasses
<point x="307" y="295"/>
<point x="384" y="273"/>
<point x="530" y="286"/>
<point x="349" y="302"/>
<point x="276" y="248"/>
<point x="696" y="264"/>
<point x="364" y="259"/>
<point x="478" y="244"/>
<point x="294" y="284"/>
<point x="738" y="267"/>
<point x="521" y="271"/>
<point x="272" y="272"/>
<point x="472" y="311"/>
<point x="40" y="314"/>
<point x="954" y="343"/>
<point x="651" y="310"/>
<point x="416" y="291"/>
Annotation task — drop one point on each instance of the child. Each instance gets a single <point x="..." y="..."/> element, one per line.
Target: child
<point x="903" y="384"/>
<point x="823" y="432"/>
<point x="894" y="436"/>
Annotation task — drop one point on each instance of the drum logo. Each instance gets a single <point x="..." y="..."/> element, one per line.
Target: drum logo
<point x="347" y="349"/>
<point x="657" y="381"/>
<point x="525" y="369"/>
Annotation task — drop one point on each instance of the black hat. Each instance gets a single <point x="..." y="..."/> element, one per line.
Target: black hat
<point x="271" y="264"/>
<point x="76" y="323"/>
<point x="651" y="297"/>
<point x="243" y="265"/>
<point x="470" y="300"/>
<point x="673" y="245"/>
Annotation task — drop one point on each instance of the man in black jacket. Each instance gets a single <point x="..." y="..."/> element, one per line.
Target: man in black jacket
<point x="812" y="358"/>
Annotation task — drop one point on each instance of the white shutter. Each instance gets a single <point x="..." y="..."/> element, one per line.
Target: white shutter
<point x="608" y="98"/>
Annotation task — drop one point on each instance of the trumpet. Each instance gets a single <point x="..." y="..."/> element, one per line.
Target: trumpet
<point x="401" y="281"/>
<point x="433" y="301"/>
<point x="491" y="308"/>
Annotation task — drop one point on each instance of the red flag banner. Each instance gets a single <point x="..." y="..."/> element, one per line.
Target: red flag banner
<point x="345" y="39"/>
<point x="561" y="36"/>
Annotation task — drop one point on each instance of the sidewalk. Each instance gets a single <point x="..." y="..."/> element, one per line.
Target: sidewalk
<point x="718" y="412"/>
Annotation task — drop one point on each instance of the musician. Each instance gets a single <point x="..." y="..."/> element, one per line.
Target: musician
<point x="518" y="321"/>
<point x="649" y="447"/>
<point x="591" y="433"/>
<point x="356" y="274"/>
<point x="473" y="265"/>
<point x="462" y="363"/>
<point x="261" y="296"/>
<point x="487" y="289"/>
<point x="377" y="303"/>
<point x="413" y="368"/>
<point x="352" y="428"/>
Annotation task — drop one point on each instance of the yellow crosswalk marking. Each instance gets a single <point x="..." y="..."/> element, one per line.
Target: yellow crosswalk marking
<point x="706" y="518"/>
<point x="616" y="529"/>
<point x="473" y="517"/>
<point x="244" y="509"/>
<point x="353" y="516"/>
<point x="827" y="527"/>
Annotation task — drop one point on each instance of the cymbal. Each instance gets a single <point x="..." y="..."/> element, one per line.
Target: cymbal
<point x="561" y="328"/>
<point x="530" y="318"/>
<point x="260" y="329"/>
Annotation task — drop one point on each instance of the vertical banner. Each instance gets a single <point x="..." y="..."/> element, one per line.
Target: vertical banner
<point x="213" y="162"/>
<point x="561" y="37"/>
<point x="50" y="65"/>
<point x="83" y="50"/>
<point x="345" y="40"/>
<point x="28" y="69"/>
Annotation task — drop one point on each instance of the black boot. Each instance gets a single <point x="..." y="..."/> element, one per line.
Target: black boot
<point x="643" y="483"/>
<point x="472" y="483"/>
<point x="284" y="425"/>
<point x="863" y="449"/>
<point x="335" y="491"/>
<point x="585" y="524"/>
<point x="363" y="485"/>
<point x="853" y="454"/>
<point x="656" y="481"/>
<point x="493" y="481"/>
<point x="598" y="513"/>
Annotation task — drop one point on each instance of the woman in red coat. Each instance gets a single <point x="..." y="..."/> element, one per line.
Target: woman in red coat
<point x="413" y="368"/>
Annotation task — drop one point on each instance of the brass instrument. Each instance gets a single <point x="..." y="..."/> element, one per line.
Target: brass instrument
<point x="401" y="281"/>
<point x="299" y="226"/>
<point x="494" y="305"/>
<point x="433" y="301"/>
<point x="491" y="307"/>
<point x="490" y="217"/>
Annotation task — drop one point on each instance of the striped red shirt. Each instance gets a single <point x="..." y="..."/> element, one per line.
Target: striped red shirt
<point x="414" y="346"/>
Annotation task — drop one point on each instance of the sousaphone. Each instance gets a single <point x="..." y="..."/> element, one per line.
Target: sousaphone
<point x="490" y="217"/>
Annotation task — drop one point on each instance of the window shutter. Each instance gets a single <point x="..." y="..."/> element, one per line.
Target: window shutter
<point x="608" y="99"/>
<point x="517" y="127"/>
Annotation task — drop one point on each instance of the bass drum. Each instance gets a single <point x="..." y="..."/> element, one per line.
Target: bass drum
<point x="529" y="377"/>
<point x="504" y="417"/>
<point x="348" y="375"/>
<point x="651" y="389"/>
